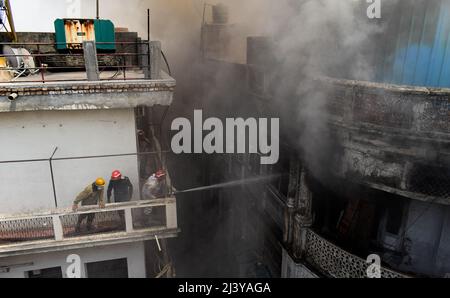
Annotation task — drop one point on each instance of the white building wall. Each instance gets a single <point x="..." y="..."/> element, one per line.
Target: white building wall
<point x="133" y="252"/>
<point x="27" y="187"/>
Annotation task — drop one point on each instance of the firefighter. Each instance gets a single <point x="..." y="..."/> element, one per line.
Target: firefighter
<point x="154" y="188"/>
<point x="91" y="195"/>
<point x="122" y="187"/>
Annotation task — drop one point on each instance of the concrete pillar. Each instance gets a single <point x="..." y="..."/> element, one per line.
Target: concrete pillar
<point x="301" y="226"/>
<point x="57" y="228"/>
<point x="128" y="220"/>
<point x="304" y="198"/>
<point x="289" y="213"/>
<point x="144" y="48"/>
<point x="171" y="215"/>
<point x="155" y="60"/>
<point x="90" y="61"/>
<point x="303" y="218"/>
<point x="294" y="177"/>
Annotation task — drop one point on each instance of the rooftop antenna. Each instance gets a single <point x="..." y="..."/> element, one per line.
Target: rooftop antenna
<point x="148" y="24"/>
<point x="98" y="9"/>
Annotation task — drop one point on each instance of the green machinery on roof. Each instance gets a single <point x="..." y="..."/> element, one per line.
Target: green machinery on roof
<point x="70" y="34"/>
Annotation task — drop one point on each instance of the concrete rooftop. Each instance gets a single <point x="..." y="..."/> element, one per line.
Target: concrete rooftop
<point x="87" y="95"/>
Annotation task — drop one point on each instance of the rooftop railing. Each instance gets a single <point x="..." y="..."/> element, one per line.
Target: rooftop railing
<point x="132" y="60"/>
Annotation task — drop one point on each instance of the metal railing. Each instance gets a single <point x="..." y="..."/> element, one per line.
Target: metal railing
<point x="336" y="262"/>
<point x="121" y="62"/>
<point x="124" y="218"/>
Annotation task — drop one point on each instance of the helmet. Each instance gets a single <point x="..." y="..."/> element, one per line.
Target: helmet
<point x="100" y="182"/>
<point x="160" y="174"/>
<point x="116" y="175"/>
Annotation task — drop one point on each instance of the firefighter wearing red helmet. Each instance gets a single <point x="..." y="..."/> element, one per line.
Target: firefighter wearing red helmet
<point x="154" y="187"/>
<point x="121" y="187"/>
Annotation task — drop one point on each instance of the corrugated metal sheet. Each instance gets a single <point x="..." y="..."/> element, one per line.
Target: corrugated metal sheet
<point x="421" y="53"/>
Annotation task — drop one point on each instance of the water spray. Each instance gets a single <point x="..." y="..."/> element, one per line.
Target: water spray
<point x="228" y="184"/>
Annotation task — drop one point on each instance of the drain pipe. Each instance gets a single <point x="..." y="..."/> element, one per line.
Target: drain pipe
<point x="13" y="96"/>
<point x="98" y="9"/>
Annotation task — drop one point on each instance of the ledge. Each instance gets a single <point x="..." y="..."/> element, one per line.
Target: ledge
<point x="85" y="95"/>
<point x="413" y="90"/>
<point x="56" y="230"/>
<point x="85" y="242"/>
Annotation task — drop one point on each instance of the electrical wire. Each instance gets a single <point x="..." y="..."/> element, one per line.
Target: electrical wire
<point x="84" y="157"/>
<point x="167" y="62"/>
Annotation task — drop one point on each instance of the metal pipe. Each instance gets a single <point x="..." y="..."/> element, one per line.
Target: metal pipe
<point x="53" y="177"/>
<point x="86" y="157"/>
<point x="98" y="9"/>
<point x="148" y="25"/>
<point x="149" y="54"/>
<point x="13" y="96"/>
<point x="74" y="80"/>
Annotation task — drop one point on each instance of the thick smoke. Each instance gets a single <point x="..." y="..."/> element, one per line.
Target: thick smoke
<point x="311" y="38"/>
<point x="314" y="39"/>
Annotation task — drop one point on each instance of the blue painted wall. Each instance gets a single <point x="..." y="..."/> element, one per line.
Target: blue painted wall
<point x="419" y="54"/>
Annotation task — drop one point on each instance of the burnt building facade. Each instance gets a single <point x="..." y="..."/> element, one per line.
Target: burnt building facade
<point x="369" y="182"/>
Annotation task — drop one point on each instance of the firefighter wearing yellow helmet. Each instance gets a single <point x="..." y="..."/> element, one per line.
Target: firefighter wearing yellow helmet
<point x="93" y="194"/>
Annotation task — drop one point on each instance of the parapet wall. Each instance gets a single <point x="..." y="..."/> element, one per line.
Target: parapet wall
<point x="393" y="138"/>
<point x="86" y="95"/>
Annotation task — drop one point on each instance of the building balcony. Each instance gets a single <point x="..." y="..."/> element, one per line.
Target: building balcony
<point x="115" y="224"/>
<point x="332" y="261"/>
<point x="393" y="138"/>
